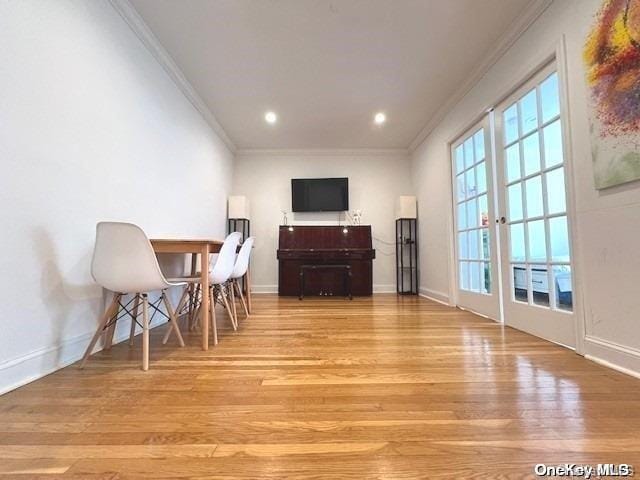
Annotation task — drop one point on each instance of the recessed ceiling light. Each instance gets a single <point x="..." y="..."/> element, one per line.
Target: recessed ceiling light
<point x="270" y="117"/>
<point x="380" y="118"/>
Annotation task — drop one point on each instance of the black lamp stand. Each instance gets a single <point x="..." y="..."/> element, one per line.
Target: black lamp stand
<point x="407" y="256"/>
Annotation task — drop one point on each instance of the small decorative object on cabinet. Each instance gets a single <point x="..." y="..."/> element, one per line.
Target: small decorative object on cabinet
<point x="406" y="246"/>
<point x="238" y="216"/>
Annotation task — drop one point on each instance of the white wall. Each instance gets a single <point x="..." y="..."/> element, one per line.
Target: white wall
<point x="91" y="128"/>
<point x="608" y="222"/>
<point x="376" y="179"/>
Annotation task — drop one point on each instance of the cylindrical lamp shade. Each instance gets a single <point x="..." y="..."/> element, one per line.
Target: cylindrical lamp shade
<point x="238" y="207"/>
<point x="406" y="207"/>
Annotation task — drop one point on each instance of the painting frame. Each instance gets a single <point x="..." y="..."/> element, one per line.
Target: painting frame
<point x="612" y="61"/>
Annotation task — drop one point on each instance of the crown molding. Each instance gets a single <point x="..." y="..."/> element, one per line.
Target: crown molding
<point x="153" y="45"/>
<point x="506" y="41"/>
<point x="322" y="152"/>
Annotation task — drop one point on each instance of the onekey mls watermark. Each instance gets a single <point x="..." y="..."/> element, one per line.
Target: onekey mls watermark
<point x="584" y="471"/>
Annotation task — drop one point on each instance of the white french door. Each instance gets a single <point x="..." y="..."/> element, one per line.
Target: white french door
<point x="529" y="277"/>
<point x="534" y="224"/>
<point x="475" y="251"/>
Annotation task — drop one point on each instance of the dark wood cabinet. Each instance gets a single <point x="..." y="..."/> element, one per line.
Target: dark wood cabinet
<point x="325" y="245"/>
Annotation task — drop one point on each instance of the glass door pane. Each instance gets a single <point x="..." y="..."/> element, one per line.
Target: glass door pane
<point x="475" y="254"/>
<point x="542" y="242"/>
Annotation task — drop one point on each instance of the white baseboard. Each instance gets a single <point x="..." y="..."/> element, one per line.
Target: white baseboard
<point x="618" y="357"/>
<point x="264" y="288"/>
<point x="435" y="295"/>
<point x="383" y="288"/>
<point x="377" y="288"/>
<point x="34" y="365"/>
<point x="22" y="370"/>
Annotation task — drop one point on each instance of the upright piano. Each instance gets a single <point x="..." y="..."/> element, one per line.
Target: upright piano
<point x="301" y="247"/>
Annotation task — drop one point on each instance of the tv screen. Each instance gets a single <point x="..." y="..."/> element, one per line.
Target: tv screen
<point x="319" y="194"/>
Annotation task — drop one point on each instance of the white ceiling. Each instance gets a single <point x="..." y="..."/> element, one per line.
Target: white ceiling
<point x="326" y="66"/>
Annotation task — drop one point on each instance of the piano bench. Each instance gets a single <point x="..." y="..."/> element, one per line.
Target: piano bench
<point x="346" y="270"/>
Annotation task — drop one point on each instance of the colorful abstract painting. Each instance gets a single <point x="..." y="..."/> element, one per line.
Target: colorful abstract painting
<point x="612" y="58"/>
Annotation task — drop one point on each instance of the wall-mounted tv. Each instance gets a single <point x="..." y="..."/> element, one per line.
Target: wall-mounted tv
<point x="319" y="194"/>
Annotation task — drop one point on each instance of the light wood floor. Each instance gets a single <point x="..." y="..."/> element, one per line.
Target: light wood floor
<point x="389" y="387"/>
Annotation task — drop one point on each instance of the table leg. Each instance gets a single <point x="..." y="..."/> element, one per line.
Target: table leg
<point x="194" y="263"/>
<point x="204" y="306"/>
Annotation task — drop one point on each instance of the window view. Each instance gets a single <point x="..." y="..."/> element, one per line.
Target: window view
<point x="472" y="215"/>
<point x="536" y="199"/>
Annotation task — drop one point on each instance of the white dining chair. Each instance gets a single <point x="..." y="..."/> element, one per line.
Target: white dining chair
<point x="124" y="262"/>
<point x="219" y="275"/>
<point x="240" y="270"/>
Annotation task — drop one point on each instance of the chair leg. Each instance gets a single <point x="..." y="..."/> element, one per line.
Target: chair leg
<point x="134" y="317"/>
<point x="183" y="301"/>
<point x="190" y="289"/>
<point x="196" y="319"/>
<point x="167" y="334"/>
<point x="111" y="331"/>
<point x="244" y="304"/>
<point x="214" y="326"/>
<point x="232" y="298"/>
<point x="226" y="305"/>
<point x="247" y="287"/>
<point x="173" y="321"/>
<point x="145" y="332"/>
<point x="99" y="331"/>
<point x="193" y="306"/>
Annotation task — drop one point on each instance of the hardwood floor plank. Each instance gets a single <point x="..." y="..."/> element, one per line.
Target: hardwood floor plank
<point x="31" y="466"/>
<point x="279" y="449"/>
<point x="382" y="387"/>
<point x="104" y="451"/>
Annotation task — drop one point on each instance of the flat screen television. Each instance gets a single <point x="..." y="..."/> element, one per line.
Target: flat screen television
<point x="319" y="194"/>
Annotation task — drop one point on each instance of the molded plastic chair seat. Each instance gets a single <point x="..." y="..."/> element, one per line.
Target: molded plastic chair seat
<point x="125" y="263"/>
<point x="240" y="270"/>
<point x="219" y="275"/>
<point x="124" y="260"/>
<point x="242" y="260"/>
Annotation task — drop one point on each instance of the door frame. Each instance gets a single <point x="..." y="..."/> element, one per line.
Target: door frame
<point x="555" y="51"/>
